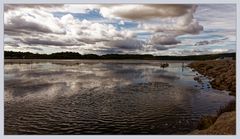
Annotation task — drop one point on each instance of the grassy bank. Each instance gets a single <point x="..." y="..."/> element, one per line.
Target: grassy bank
<point x="207" y="121"/>
<point x="222" y="73"/>
<point x="223" y="77"/>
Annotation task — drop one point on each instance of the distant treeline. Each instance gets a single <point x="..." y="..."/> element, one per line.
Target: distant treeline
<point x="73" y="55"/>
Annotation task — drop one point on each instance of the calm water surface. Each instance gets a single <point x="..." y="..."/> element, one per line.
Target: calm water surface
<point x="105" y="97"/>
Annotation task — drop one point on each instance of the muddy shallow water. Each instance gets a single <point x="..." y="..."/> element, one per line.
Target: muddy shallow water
<point x="105" y="97"/>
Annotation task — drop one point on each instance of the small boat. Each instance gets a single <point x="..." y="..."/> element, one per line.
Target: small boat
<point x="164" y="65"/>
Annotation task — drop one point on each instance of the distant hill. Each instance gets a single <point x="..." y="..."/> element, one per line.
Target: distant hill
<point x="73" y="55"/>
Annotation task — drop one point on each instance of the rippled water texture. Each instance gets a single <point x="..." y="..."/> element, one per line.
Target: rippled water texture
<point x="104" y="97"/>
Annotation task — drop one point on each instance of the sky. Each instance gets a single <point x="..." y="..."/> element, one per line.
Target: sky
<point x="157" y="29"/>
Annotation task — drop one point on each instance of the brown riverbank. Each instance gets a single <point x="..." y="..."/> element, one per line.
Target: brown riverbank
<point x="224" y="125"/>
<point x="223" y="75"/>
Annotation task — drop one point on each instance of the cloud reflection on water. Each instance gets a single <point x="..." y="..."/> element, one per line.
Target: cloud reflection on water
<point x="104" y="97"/>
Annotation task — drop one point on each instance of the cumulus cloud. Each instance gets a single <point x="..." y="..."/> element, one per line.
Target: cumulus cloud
<point x="126" y="44"/>
<point x="27" y="21"/>
<point x="59" y="27"/>
<point x="174" y="18"/>
<point x="40" y="28"/>
<point x="143" y="12"/>
<point x="185" y="24"/>
<point x="170" y="28"/>
<point x="116" y="11"/>
<point x="163" y="39"/>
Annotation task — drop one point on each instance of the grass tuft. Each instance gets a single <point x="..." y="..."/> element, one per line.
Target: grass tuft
<point x="207" y="121"/>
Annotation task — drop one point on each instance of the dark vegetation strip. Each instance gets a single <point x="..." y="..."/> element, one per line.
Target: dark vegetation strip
<point x="73" y="55"/>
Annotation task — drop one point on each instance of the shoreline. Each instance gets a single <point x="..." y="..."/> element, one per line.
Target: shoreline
<point x="222" y="75"/>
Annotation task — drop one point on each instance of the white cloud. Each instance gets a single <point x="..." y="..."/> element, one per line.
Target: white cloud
<point x="32" y="21"/>
<point x="32" y="27"/>
<point x="121" y="22"/>
<point x="143" y="12"/>
<point x="160" y="31"/>
<point x="163" y="39"/>
<point x="185" y="24"/>
<point x="219" y="50"/>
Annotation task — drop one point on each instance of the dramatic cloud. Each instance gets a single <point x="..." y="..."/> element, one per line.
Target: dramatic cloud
<point x="163" y="39"/>
<point x="126" y="44"/>
<point x="159" y="29"/>
<point x="185" y="24"/>
<point x="64" y="31"/>
<point x="172" y="27"/>
<point x="143" y="12"/>
<point x="29" y="21"/>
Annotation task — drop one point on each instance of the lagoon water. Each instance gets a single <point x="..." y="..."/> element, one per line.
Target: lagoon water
<point x="105" y="97"/>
